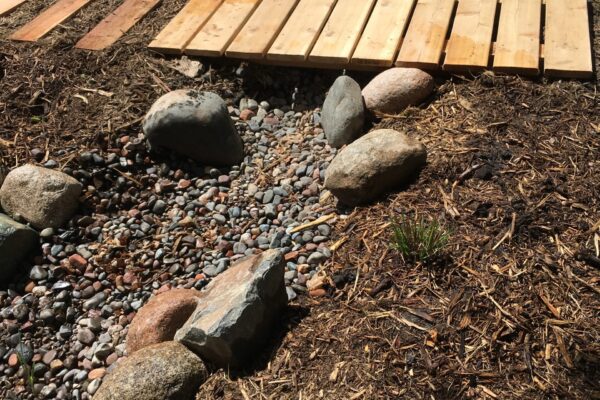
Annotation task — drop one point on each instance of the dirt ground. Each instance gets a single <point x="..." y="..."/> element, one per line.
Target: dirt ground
<point x="513" y="172"/>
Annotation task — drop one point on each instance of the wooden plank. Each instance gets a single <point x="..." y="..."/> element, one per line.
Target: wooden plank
<point x="426" y="35"/>
<point x="221" y="29"/>
<point x="7" y="6"/>
<point x="567" y="48"/>
<point x="47" y="20"/>
<point x="261" y="30"/>
<point x="518" y="42"/>
<point x="380" y="41"/>
<point x="300" y="33"/>
<point x="184" y="26"/>
<point x="342" y="31"/>
<point x="111" y="28"/>
<point x="470" y="44"/>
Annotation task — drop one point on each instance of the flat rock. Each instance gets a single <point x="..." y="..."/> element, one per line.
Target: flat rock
<point x="237" y="311"/>
<point x="343" y="114"/>
<point x="164" y="371"/>
<point x="159" y="319"/>
<point x="376" y="163"/>
<point x="393" y="90"/>
<point x="194" y="124"/>
<point x="43" y="197"/>
<point x="17" y="242"/>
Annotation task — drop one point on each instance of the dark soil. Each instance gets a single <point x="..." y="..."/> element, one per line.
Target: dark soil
<point x="513" y="172"/>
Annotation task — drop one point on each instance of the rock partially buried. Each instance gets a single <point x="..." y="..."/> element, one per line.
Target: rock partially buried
<point x="373" y="165"/>
<point x="343" y="114"/>
<point x="160" y="318"/>
<point x="397" y="88"/>
<point x="194" y="124"/>
<point x="43" y="197"/>
<point x="17" y="241"/>
<point x="165" y="371"/>
<point x="237" y="311"/>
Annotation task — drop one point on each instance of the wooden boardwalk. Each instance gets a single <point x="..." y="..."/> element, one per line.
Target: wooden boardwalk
<point x="513" y="36"/>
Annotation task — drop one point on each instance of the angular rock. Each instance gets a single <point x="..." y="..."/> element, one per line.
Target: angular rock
<point x="237" y="310"/>
<point x="397" y="88"/>
<point x="373" y="165"/>
<point x="194" y="124"/>
<point x="159" y="319"/>
<point x="17" y="242"/>
<point x="343" y="114"/>
<point x="165" y="371"/>
<point x="43" y="197"/>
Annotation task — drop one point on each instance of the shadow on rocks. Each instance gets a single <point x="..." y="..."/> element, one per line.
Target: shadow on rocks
<point x="291" y="318"/>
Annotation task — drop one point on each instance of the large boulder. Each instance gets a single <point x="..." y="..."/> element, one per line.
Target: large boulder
<point x="160" y="318"/>
<point x="393" y="90"/>
<point x="43" y="197"/>
<point x="373" y="165"/>
<point x="17" y="242"/>
<point x="194" y="124"/>
<point x="237" y="311"/>
<point x="165" y="371"/>
<point x="343" y="114"/>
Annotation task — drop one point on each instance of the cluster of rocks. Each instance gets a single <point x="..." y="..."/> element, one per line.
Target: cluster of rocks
<point x="381" y="160"/>
<point x="122" y="248"/>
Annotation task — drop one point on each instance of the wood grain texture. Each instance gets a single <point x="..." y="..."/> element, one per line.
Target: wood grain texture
<point x="184" y="26"/>
<point x="7" y="6"/>
<point x="426" y="36"/>
<point x="518" y="42"/>
<point x="301" y="31"/>
<point x="567" y="49"/>
<point x="221" y="28"/>
<point x="56" y="14"/>
<point x="381" y="38"/>
<point x="470" y="43"/>
<point x="342" y="32"/>
<point x="261" y="30"/>
<point x="111" y="28"/>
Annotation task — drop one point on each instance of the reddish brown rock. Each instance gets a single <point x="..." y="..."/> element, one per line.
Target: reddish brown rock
<point x="96" y="373"/>
<point x="160" y="318"/>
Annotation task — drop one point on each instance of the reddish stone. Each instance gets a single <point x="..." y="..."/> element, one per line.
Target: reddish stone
<point x="292" y="255"/>
<point x="246" y="114"/>
<point x="29" y="287"/>
<point x="160" y="318"/>
<point x="111" y="359"/>
<point x="164" y="288"/>
<point x="128" y="278"/>
<point x="56" y="365"/>
<point x="97" y="285"/>
<point x="317" y="293"/>
<point x="96" y="373"/>
<point x="199" y="277"/>
<point x="77" y="261"/>
<point x="36" y="358"/>
<point x="13" y="360"/>
<point x="184" y="184"/>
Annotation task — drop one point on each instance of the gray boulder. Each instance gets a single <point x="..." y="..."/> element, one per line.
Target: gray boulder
<point x="237" y="310"/>
<point x="376" y="163"/>
<point x="43" y="197"/>
<point x="194" y="124"/>
<point x="394" y="89"/>
<point x="164" y="371"/>
<point x="343" y="114"/>
<point x="17" y="242"/>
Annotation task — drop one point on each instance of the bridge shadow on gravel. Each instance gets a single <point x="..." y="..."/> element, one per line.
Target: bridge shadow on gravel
<point x="291" y="318"/>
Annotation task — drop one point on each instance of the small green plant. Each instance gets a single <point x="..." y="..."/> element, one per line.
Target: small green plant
<point x="419" y="240"/>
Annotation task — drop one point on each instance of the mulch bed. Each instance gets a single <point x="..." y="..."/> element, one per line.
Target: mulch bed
<point x="512" y="311"/>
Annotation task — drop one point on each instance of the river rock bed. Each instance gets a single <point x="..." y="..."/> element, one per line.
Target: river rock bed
<point x="153" y="222"/>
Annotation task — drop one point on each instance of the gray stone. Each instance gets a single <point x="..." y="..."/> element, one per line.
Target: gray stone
<point x="165" y="371"/>
<point x="343" y="114"/>
<point x="378" y="162"/>
<point x="397" y="88"/>
<point x="17" y="242"/>
<point x="194" y="124"/>
<point x="236" y="310"/>
<point x="43" y="197"/>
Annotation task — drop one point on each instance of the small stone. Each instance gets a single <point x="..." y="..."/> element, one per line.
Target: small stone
<point x="86" y="336"/>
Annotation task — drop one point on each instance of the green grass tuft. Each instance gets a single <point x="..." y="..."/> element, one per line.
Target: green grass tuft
<point x="419" y="240"/>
